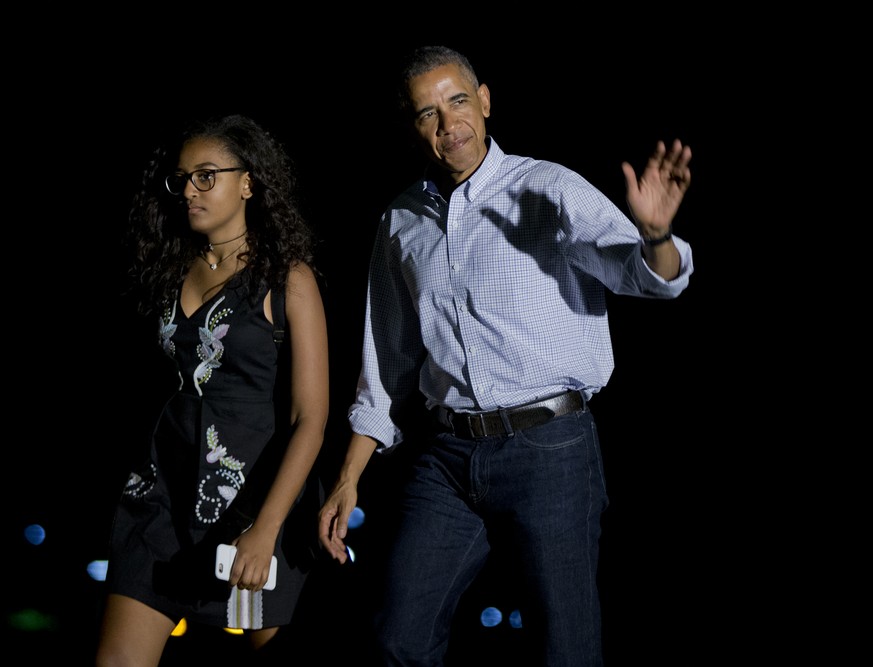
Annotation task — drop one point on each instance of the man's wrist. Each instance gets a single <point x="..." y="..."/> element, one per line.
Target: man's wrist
<point x="661" y="239"/>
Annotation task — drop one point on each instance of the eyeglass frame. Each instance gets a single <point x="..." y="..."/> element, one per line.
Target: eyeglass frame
<point x="189" y="176"/>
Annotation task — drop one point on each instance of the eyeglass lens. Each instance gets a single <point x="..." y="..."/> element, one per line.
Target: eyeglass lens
<point x="203" y="180"/>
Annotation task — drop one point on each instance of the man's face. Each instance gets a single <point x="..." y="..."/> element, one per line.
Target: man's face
<point x="449" y="119"/>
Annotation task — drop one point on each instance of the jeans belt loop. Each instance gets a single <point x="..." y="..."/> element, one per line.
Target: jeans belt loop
<point x="507" y="422"/>
<point x="480" y="417"/>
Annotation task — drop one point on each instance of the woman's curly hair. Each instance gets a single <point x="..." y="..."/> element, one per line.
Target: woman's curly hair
<point x="164" y="246"/>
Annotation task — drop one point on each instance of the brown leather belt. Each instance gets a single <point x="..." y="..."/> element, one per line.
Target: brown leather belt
<point x="480" y="424"/>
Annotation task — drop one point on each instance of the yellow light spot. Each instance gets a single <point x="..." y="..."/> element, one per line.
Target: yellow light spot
<point x="233" y="631"/>
<point x="180" y="629"/>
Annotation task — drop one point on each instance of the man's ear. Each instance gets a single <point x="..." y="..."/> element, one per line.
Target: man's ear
<point x="484" y="99"/>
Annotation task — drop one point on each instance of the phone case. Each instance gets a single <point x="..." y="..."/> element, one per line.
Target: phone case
<point x="224" y="555"/>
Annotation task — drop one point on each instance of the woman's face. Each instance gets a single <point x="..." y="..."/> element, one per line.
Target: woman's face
<point x="216" y="205"/>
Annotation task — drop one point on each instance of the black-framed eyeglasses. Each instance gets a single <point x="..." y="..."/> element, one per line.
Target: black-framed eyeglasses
<point x="203" y="179"/>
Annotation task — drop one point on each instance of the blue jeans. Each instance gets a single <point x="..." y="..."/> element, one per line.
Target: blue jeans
<point x="535" y="496"/>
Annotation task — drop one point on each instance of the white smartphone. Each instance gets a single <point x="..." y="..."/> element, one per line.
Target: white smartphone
<point x="224" y="555"/>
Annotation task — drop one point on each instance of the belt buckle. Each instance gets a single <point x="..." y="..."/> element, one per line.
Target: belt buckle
<point x="465" y="424"/>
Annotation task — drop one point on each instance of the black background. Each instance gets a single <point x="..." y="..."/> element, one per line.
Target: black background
<point x="675" y="559"/>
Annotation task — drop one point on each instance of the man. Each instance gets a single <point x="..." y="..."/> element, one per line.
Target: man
<point x="486" y="294"/>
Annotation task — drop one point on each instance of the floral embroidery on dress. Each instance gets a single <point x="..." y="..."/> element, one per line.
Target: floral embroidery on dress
<point x="211" y="349"/>
<point x="218" y="452"/>
<point x="166" y="330"/>
<point x="138" y="485"/>
<point x="218" y="489"/>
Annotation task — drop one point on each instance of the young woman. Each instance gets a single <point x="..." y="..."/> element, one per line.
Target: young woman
<point x="220" y="247"/>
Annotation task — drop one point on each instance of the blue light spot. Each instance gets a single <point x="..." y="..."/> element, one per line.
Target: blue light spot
<point x="97" y="569"/>
<point x="515" y="619"/>
<point x="34" y="534"/>
<point x="491" y="616"/>
<point x="356" y="518"/>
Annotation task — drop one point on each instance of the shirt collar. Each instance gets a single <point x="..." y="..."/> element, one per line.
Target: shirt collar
<point x="478" y="179"/>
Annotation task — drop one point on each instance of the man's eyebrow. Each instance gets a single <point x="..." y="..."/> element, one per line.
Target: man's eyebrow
<point x="453" y="98"/>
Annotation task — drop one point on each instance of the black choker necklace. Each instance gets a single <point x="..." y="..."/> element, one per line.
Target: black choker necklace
<point x="214" y="265"/>
<point x="211" y="246"/>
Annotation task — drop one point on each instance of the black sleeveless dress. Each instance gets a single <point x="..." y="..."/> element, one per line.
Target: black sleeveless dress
<point x="218" y="422"/>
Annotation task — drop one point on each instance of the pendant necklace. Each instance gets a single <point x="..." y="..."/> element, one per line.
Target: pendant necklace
<point x="214" y="265"/>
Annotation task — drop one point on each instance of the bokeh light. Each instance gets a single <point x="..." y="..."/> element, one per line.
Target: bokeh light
<point x="34" y="533"/>
<point x="32" y="620"/>
<point x="356" y="518"/>
<point x="491" y="616"/>
<point x="97" y="569"/>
